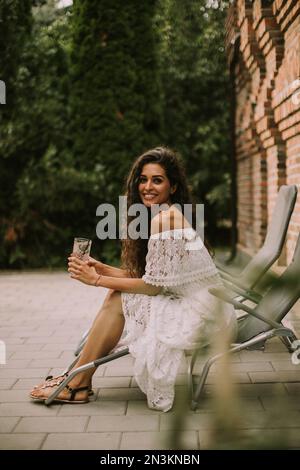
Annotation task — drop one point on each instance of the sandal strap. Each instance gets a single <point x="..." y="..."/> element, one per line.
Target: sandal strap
<point x="58" y="381"/>
<point x="73" y="391"/>
<point x="50" y="377"/>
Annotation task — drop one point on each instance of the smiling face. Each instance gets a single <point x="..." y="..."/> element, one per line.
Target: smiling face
<point x="154" y="186"/>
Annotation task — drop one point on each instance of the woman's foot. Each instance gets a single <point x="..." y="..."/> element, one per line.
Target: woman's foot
<point x="51" y="381"/>
<point x="72" y="393"/>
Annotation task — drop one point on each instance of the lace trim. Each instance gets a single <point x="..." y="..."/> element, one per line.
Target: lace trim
<point x="189" y="233"/>
<point x="209" y="276"/>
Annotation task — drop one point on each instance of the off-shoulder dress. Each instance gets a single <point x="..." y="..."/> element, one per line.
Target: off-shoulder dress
<point x="160" y="328"/>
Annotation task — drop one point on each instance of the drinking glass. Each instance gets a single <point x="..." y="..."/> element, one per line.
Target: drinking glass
<point x="82" y="248"/>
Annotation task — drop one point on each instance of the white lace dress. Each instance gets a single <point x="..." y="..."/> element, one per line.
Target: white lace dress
<point x="158" y="329"/>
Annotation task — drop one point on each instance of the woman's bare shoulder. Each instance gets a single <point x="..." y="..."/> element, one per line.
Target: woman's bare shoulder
<point x="170" y="219"/>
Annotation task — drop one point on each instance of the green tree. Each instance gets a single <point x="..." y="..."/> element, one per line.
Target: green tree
<point x="15" y="26"/>
<point x="116" y="107"/>
<point x="115" y="93"/>
<point x="90" y="88"/>
<point x="15" y="22"/>
<point x="34" y="130"/>
<point x="196" y="107"/>
<point x="61" y="172"/>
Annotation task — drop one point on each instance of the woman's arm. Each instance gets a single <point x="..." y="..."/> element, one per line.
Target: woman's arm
<point x="111" y="271"/>
<point x="129" y="285"/>
<point x="106" y="269"/>
<point x="81" y="271"/>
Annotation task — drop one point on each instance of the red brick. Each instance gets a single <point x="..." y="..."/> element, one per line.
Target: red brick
<point x="267" y="119"/>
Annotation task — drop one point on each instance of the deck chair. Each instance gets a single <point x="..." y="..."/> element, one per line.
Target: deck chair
<point x="270" y="251"/>
<point x="274" y="305"/>
<point x="245" y="282"/>
<point x="260" y="324"/>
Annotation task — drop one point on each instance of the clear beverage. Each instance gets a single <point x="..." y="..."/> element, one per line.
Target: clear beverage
<point x="82" y="248"/>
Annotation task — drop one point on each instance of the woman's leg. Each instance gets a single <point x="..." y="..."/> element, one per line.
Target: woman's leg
<point x="104" y="335"/>
<point x="105" y="332"/>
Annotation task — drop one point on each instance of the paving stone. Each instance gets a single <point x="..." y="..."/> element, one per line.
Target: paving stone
<point x="278" y="376"/>
<point x="202" y="359"/>
<point x="121" y="394"/>
<point x="47" y="363"/>
<point x="6" y="332"/>
<point x="249" y="403"/>
<point x="35" y="354"/>
<point x="139" y="407"/>
<point x="156" y="440"/>
<point x="274" y="438"/>
<point x="82" y="441"/>
<point x="67" y="356"/>
<point x="105" y="407"/>
<point x="258" y="366"/>
<point x="254" y="439"/>
<point x="123" y="423"/>
<point x="27" y="384"/>
<point x="293" y="388"/>
<point x="48" y="340"/>
<point x="42" y="334"/>
<point x="28" y="409"/>
<point x="52" y="424"/>
<point x="118" y="371"/>
<point x="7" y="424"/>
<point x="13" y="396"/>
<point x="285" y="365"/>
<point x="261" y="389"/>
<point x="23" y="373"/>
<point x="59" y="346"/>
<point x="205" y="439"/>
<point x="191" y="421"/>
<point x="21" y="441"/>
<point x="111" y="382"/>
<point x="31" y="333"/>
<point x="14" y="341"/>
<point x="253" y="356"/>
<point x="275" y="418"/>
<point x="6" y="384"/>
<point x="124" y="361"/>
<point x="15" y="364"/>
<point x="236" y="377"/>
<point x="275" y="345"/>
<point x="285" y="403"/>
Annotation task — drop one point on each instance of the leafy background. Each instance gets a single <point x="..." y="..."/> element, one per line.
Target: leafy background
<point x="89" y="88"/>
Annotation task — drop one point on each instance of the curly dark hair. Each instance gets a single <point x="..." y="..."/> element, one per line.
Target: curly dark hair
<point x="133" y="256"/>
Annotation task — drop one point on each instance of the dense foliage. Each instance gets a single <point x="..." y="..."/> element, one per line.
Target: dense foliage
<point x="91" y="87"/>
<point x="193" y="65"/>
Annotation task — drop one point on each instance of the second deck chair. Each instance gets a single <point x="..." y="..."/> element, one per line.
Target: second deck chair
<point x="244" y="283"/>
<point x="262" y="322"/>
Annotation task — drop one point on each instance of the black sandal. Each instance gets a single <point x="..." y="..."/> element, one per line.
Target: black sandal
<point x="72" y="391"/>
<point x="50" y="377"/>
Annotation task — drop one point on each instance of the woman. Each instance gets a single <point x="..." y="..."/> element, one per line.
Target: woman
<point x="160" y="295"/>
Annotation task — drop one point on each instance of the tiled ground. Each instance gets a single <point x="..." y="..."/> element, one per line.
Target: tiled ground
<point x="42" y="318"/>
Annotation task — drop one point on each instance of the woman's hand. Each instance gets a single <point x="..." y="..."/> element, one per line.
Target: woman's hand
<point x="81" y="271"/>
<point x="96" y="264"/>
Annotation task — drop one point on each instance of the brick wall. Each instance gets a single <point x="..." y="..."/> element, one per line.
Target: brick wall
<point x="263" y="49"/>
